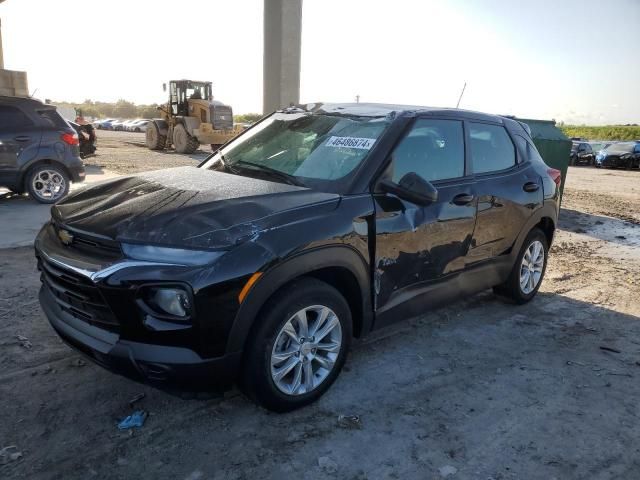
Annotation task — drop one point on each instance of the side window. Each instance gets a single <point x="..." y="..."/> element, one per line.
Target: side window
<point x="53" y="118"/>
<point x="434" y="149"/>
<point x="12" y="118"/>
<point x="491" y="148"/>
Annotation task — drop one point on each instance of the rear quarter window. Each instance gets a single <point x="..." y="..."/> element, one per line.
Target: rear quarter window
<point x="53" y="119"/>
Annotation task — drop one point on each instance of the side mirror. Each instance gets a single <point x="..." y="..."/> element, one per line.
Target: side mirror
<point x="164" y="87"/>
<point x="412" y="188"/>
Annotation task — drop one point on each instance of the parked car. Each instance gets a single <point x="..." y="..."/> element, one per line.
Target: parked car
<point x="38" y="150"/>
<point x="87" y="137"/>
<point x="139" y="126"/>
<point x="108" y="124"/>
<point x="581" y="154"/>
<point x="312" y="227"/>
<point x="620" y="155"/>
<point x="119" y="125"/>
<point x="100" y="124"/>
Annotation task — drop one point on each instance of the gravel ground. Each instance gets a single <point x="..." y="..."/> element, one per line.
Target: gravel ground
<point x="126" y="153"/>
<point x="480" y="389"/>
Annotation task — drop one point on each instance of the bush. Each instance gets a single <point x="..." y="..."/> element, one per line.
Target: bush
<point x="607" y="132"/>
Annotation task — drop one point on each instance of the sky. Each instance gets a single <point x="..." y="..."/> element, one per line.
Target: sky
<point x="575" y="61"/>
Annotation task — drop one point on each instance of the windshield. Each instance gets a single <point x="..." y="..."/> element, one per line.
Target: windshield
<point x="314" y="150"/>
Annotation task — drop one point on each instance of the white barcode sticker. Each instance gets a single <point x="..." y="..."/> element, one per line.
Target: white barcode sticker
<point x="351" y="142"/>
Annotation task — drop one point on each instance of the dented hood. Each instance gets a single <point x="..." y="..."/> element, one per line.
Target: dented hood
<point x="188" y="207"/>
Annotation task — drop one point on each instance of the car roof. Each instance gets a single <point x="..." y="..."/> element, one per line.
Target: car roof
<point x="24" y="101"/>
<point x="384" y="109"/>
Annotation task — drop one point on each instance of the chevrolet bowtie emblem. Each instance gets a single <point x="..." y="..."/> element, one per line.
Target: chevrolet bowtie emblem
<point x="65" y="236"/>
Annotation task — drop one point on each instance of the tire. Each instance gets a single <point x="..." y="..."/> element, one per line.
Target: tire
<point x="47" y="183"/>
<point x="268" y="337"/>
<point x="154" y="139"/>
<point x="215" y="147"/>
<point x="184" y="142"/>
<point x="513" y="288"/>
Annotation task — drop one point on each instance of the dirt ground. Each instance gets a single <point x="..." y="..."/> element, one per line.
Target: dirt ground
<point x="481" y="389"/>
<point x="126" y="153"/>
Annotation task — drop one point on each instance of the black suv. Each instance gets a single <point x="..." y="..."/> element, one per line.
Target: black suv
<point x="39" y="150"/>
<point x="582" y="154"/>
<point x="314" y="226"/>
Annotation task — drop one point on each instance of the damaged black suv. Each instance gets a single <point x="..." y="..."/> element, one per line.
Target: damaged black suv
<point x="315" y="226"/>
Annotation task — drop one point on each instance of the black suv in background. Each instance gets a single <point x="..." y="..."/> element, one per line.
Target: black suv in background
<point x="316" y="225"/>
<point x="582" y="154"/>
<point x="39" y="150"/>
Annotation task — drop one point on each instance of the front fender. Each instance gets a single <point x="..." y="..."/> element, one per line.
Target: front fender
<point x="304" y="262"/>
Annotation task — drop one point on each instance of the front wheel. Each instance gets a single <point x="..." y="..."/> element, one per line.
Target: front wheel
<point x="184" y="142"/>
<point x="528" y="271"/>
<point x="298" y="346"/>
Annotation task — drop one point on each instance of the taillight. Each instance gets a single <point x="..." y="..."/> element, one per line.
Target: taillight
<point x="555" y="175"/>
<point x="70" y="138"/>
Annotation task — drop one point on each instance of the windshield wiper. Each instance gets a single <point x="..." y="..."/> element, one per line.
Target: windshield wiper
<point x="285" y="177"/>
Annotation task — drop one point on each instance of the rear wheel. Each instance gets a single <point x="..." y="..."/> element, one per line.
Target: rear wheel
<point x="155" y="140"/>
<point x="47" y="183"/>
<point x="528" y="271"/>
<point x="184" y="142"/>
<point x="298" y="347"/>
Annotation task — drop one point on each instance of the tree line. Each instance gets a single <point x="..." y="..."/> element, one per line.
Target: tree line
<point x="125" y="109"/>
<point x="605" y="132"/>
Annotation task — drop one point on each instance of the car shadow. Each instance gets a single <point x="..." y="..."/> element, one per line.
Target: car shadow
<point x="622" y="231"/>
<point x="478" y="369"/>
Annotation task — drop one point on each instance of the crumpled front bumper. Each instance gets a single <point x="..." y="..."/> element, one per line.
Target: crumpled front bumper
<point x="160" y="365"/>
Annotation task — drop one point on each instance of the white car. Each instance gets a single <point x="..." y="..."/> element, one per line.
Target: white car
<point x="138" y="126"/>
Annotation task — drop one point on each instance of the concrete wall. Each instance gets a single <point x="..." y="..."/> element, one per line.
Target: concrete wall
<point x="13" y="83"/>
<point x="282" y="39"/>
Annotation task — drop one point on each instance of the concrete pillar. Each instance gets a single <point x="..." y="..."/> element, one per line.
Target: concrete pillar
<point x="282" y="42"/>
<point x="1" y="54"/>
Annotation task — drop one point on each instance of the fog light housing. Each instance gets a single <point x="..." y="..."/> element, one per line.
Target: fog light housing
<point x="172" y="301"/>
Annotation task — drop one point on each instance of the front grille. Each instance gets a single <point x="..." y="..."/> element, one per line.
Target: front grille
<point x="77" y="296"/>
<point x="107" y="249"/>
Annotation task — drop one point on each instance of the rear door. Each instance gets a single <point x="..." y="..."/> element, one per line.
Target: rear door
<point x="19" y="141"/>
<point x="507" y="187"/>
<point x="418" y="246"/>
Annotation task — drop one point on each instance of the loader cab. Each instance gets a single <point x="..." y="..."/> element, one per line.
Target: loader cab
<point x="181" y="91"/>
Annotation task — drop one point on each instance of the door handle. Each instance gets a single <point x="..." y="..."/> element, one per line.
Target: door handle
<point x="462" y="199"/>
<point x="531" y="187"/>
<point x="22" y="138"/>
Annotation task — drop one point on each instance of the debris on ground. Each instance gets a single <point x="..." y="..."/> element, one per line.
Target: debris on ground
<point x="9" y="454"/>
<point x="136" y="399"/>
<point x="447" y="471"/>
<point x="24" y="342"/>
<point x="349" y="421"/>
<point x="78" y="362"/>
<point x="136" y="419"/>
<point x="609" y="349"/>
<point x="328" y="465"/>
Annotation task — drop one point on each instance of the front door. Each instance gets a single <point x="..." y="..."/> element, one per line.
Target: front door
<point x="419" y="246"/>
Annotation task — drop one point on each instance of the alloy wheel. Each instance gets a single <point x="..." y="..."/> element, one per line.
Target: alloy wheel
<point x="305" y="350"/>
<point x="531" y="267"/>
<point x="48" y="184"/>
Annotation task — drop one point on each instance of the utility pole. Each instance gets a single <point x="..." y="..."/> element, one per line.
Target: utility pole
<point x="357" y="98"/>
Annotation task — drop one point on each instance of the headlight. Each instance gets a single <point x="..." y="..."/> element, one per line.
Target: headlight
<point x="178" y="256"/>
<point x="172" y="301"/>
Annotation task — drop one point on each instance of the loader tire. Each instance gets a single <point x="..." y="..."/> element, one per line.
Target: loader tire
<point x="155" y="140"/>
<point x="184" y="142"/>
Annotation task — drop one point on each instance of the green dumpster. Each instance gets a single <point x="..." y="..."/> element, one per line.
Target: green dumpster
<point x="553" y="145"/>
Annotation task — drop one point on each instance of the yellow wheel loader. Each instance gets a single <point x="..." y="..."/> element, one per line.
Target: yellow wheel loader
<point x="191" y="118"/>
